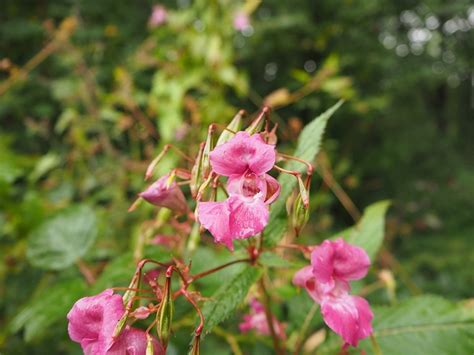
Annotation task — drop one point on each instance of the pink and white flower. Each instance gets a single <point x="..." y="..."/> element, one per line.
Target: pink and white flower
<point x="245" y="160"/>
<point x="92" y="321"/>
<point x="257" y="321"/>
<point x="165" y="193"/>
<point x="333" y="264"/>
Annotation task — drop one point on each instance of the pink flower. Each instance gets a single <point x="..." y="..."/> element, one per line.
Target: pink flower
<point x="333" y="264"/>
<point x="245" y="160"/>
<point x="257" y="321"/>
<point x="241" y="21"/>
<point x="158" y="16"/>
<point x="165" y="194"/>
<point x="92" y="321"/>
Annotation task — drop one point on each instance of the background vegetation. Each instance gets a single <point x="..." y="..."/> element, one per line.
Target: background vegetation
<point x="90" y="92"/>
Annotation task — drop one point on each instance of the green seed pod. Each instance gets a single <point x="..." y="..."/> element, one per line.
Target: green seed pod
<point x="233" y="126"/>
<point x="165" y="313"/>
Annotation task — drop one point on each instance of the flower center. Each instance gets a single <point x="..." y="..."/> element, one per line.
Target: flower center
<point x="250" y="185"/>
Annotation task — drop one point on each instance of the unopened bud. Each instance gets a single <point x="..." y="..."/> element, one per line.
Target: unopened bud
<point x="208" y="147"/>
<point x="165" y="312"/>
<point x="194" y="237"/>
<point x="299" y="214"/>
<point x="233" y="126"/>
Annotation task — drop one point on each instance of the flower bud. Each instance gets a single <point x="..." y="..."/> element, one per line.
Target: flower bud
<point x="165" y="312"/>
<point x="208" y="147"/>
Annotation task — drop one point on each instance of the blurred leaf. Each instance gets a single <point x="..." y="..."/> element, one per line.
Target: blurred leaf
<point x="270" y="259"/>
<point x="47" y="308"/>
<point x="229" y="296"/>
<point x="60" y="241"/>
<point x="307" y="148"/>
<point x="370" y="230"/>
<point x="44" y="165"/>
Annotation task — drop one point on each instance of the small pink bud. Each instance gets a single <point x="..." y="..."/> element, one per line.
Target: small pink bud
<point x="158" y="16"/>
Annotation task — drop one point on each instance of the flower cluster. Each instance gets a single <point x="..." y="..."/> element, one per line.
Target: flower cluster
<point x="238" y="165"/>
<point x="333" y="265"/>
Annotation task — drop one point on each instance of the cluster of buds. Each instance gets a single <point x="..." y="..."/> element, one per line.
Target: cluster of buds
<point x="230" y="183"/>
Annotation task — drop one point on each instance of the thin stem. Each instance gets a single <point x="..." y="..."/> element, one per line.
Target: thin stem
<point x="208" y="272"/>
<point x="269" y="316"/>
<point x="304" y="328"/>
<point x="86" y="272"/>
<point x="309" y="166"/>
<point x="291" y="172"/>
<point x="375" y="345"/>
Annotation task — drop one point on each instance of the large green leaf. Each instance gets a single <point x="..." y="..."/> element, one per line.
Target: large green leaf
<point x="424" y="325"/>
<point x="370" y="230"/>
<point x="47" y="308"/>
<point x="307" y="148"/>
<point x="229" y="296"/>
<point x="60" y="241"/>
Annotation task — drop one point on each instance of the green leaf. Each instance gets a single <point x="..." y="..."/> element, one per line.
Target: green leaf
<point x="60" y="241"/>
<point x="48" y="307"/>
<point x="274" y="231"/>
<point x="370" y="230"/>
<point x="307" y="148"/>
<point x="228" y="297"/>
<point x="424" y="325"/>
<point x="270" y="259"/>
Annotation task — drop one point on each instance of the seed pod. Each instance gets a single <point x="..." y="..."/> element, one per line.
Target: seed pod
<point x="257" y="124"/>
<point x="195" y="349"/>
<point x="165" y="312"/>
<point x="299" y="214"/>
<point x="196" y="172"/>
<point x="233" y="126"/>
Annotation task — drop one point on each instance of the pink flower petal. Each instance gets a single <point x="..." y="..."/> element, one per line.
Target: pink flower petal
<point x="92" y="321"/>
<point x="214" y="216"/>
<point x="134" y="342"/>
<point x="248" y="217"/>
<point x="339" y="260"/>
<point x="273" y="189"/>
<point x="348" y="316"/>
<point x="243" y="152"/>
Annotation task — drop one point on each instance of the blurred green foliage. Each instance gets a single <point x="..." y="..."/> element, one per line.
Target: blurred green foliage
<point x="89" y="93"/>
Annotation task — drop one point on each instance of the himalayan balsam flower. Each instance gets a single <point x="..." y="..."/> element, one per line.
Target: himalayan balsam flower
<point x="241" y="21"/>
<point x="244" y="160"/>
<point x="165" y="194"/>
<point x="257" y="321"/>
<point x="158" y="16"/>
<point x="92" y="321"/>
<point x="333" y="265"/>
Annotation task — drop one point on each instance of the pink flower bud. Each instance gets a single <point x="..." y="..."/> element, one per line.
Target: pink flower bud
<point x="167" y="194"/>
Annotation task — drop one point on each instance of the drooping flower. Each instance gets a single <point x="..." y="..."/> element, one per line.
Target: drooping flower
<point x="245" y="159"/>
<point x="92" y="321"/>
<point x="158" y="16"/>
<point x="257" y="321"/>
<point x="167" y="194"/>
<point x="333" y="265"/>
<point x="241" y="21"/>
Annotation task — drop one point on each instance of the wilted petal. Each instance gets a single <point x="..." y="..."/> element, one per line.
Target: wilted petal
<point x="164" y="194"/>
<point x="243" y="152"/>
<point x="348" y="316"/>
<point x="214" y="216"/>
<point x="248" y="216"/>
